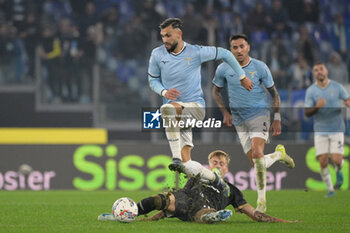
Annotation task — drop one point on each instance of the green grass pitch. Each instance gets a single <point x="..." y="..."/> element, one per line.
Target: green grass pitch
<point x="76" y="211"/>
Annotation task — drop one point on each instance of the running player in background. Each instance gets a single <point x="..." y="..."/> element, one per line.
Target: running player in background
<point x="174" y="73"/>
<point x="200" y="202"/>
<point x="323" y="100"/>
<point x="250" y="111"/>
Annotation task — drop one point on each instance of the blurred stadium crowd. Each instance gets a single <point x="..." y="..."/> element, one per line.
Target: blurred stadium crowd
<point x="60" y="41"/>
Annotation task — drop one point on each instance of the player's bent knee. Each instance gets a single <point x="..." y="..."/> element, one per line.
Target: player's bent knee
<point x="256" y="154"/>
<point x="323" y="163"/>
<point x="337" y="159"/>
<point x="323" y="159"/>
<point x="167" y="107"/>
<point x="168" y="111"/>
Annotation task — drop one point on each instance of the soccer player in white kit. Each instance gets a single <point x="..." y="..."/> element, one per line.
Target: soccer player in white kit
<point x="250" y="112"/>
<point x="323" y="100"/>
<point x="174" y="73"/>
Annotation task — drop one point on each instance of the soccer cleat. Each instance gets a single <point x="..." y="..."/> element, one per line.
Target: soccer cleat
<point x="220" y="183"/>
<point x="217" y="171"/>
<point x="218" y="216"/>
<point x="261" y="207"/>
<point x="339" y="181"/>
<point x="106" y="217"/>
<point x="329" y="194"/>
<point x="177" y="166"/>
<point x="286" y="159"/>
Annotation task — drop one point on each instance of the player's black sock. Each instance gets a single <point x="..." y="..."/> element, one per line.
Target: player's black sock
<point x="157" y="202"/>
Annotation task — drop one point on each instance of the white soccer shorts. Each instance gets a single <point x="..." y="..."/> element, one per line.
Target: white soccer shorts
<point x="190" y="110"/>
<point x="254" y="128"/>
<point x="329" y="144"/>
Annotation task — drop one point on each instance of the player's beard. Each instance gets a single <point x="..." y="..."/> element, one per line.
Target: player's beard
<point x="241" y="59"/>
<point x="321" y="78"/>
<point x="172" y="47"/>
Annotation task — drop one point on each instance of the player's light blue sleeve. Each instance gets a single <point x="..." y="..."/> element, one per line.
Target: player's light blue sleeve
<point x="267" y="77"/>
<point x="228" y="57"/>
<point x="155" y="85"/>
<point x="308" y="103"/>
<point x="207" y="53"/>
<point x="153" y="67"/>
<point x="154" y="75"/>
<point x="219" y="78"/>
<point x="344" y="95"/>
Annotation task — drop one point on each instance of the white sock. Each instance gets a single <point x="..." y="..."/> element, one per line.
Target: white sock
<point x="192" y="168"/>
<point x="326" y="177"/>
<point x="339" y="167"/>
<point x="174" y="142"/>
<point x="272" y="158"/>
<point x="260" y="178"/>
<point x="172" y="133"/>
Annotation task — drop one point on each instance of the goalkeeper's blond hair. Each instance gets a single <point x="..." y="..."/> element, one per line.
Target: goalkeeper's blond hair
<point x="219" y="153"/>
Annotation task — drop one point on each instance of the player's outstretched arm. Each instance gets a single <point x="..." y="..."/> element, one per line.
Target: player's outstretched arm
<point x="261" y="217"/>
<point x="228" y="57"/>
<point x="156" y="217"/>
